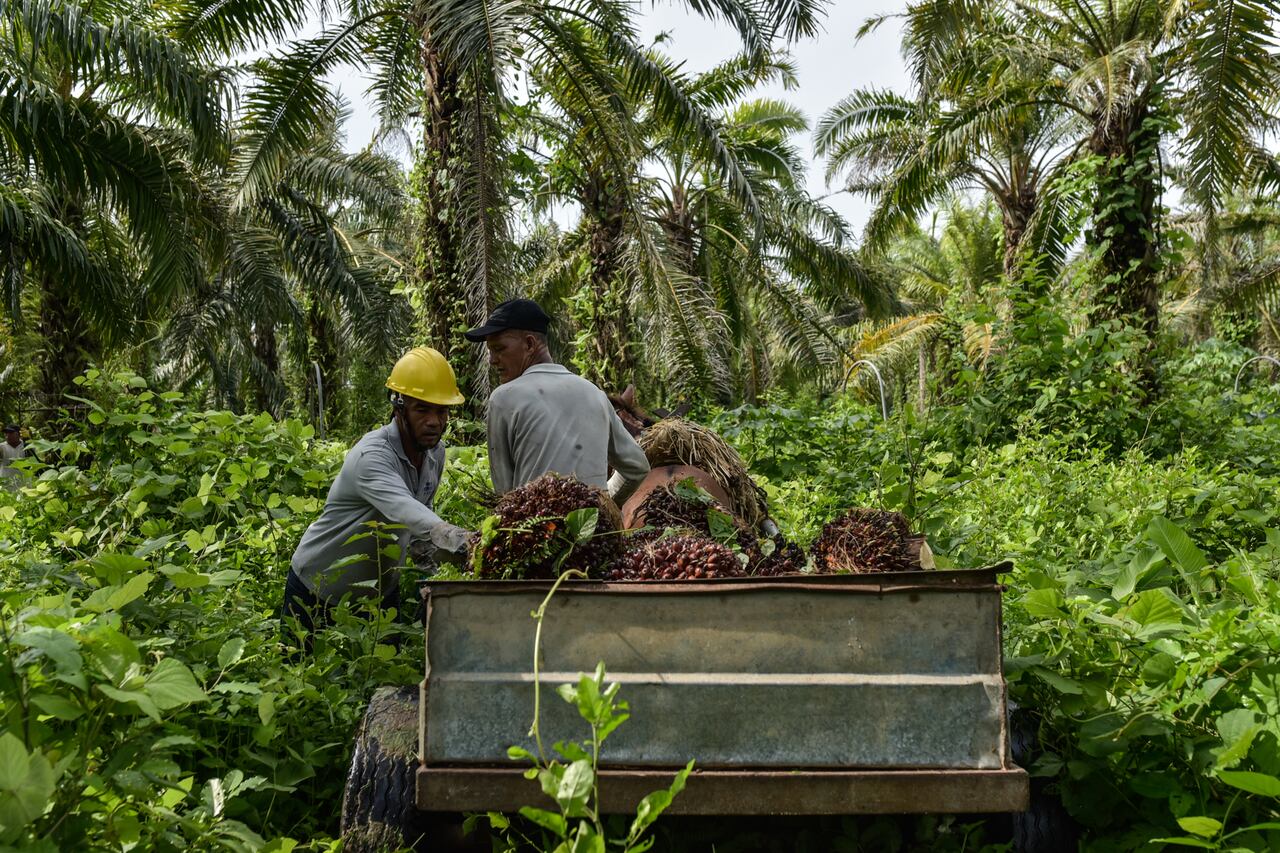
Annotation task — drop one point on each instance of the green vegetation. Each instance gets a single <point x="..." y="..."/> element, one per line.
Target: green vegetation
<point x="1073" y="254"/>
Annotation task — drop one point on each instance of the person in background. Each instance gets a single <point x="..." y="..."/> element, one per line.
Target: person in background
<point x="13" y="449"/>
<point x="543" y="418"/>
<point x="390" y="476"/>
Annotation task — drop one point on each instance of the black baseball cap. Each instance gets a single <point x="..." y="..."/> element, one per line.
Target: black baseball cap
<point x="12" y="428"/>
<point x="523" y="314"/>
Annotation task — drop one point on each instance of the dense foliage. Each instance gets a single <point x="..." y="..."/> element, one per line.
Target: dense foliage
<point x="150" y="697"/>
<point x="1068" y="364"/>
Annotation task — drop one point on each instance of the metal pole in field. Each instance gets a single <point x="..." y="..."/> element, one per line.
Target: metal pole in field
<point x="319" y="401"/>
<point x="1235" y="389"/>
<point x="884" y="406"/>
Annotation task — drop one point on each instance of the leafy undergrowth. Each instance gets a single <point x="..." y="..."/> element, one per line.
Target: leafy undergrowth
<point x="1141" y="618"/>
<point x="148" y="702"/>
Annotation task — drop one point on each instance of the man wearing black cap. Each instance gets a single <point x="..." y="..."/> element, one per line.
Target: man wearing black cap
<point x="13" y="449"/>
<point x="544" y="418"/>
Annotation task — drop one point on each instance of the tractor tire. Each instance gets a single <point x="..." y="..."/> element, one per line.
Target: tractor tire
<point x="378" y="804"/>
<point x="1045" y="827"/>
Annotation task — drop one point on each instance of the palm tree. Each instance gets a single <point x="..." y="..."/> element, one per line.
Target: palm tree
<point x="949" y="281"/>
<point x="953" y="133"/>
<point x="1111" y="74"/>
<point x="313" y="262"/>
<point x="724" y="288"/>
<point x="104" y="122"/>
<point x="451" y="67"/>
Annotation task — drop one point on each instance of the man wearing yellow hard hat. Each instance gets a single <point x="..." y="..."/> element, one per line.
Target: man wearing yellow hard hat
<point x="390" y="476"/>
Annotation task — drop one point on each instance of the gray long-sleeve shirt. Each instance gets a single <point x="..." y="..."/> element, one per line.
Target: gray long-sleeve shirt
<point x="377" y="483"/>
<point x="548" y="419"/>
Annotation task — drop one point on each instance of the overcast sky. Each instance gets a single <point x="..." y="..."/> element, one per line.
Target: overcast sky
<point x="829" y="67"/>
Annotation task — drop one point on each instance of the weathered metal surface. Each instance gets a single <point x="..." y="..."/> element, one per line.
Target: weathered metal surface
<point x="726" y="792"/>
<point x="889" y="672"/>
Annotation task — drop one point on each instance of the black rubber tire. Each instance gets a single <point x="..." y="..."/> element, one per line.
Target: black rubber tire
<point x="1045" y="827"/>
<point x="378" y="809"/>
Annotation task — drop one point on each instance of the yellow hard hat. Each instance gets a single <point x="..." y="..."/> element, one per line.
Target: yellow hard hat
<point x="423" y="373"/>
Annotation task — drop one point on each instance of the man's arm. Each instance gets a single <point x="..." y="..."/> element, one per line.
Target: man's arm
<point x="501" y="459"/>
<point x="378" y="481"/>
<point x="629" y="463"/>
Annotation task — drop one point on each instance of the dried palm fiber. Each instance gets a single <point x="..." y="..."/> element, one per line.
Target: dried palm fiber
<point x="676" y="441"/>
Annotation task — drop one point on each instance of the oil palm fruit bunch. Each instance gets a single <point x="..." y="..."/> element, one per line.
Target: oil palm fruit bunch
<point x="530" y="533"/>
<point x="683" y="556"/>
<point x="863" y="541"/>
<point x="787" y="558"/>
<point x="685" y="505"/>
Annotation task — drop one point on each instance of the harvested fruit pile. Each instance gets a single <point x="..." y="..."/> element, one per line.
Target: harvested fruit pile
<point x="863" y="541"/>
<point x="532" y="536"/>
<point x="788" y="558"/>
<point x="684" y="505"/>
<point x="653" y="556"/>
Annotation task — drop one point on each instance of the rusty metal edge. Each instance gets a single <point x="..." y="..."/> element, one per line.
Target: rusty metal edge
<point x="719" y="792"/>
<point x="888" y="582"/>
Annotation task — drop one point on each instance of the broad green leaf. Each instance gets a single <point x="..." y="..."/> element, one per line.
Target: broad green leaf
<point x="1137" y="568"/>
<point x="194" y="541"/>
<point x="1044" y="604"/>
<point x="587" y="841"/>
<point x="15" y="764"/>
<point x="653" y="805"/>
<point x="575" y="788"/>
<point x="59" y="647"/>
<point x="27" y="801"/>
<point x="143" y="702"/>
<point x="171" y="684"/>
<point x="1058" y="682"/>
<point x="1153" y="610"/>
<point x="1238" y="729"/>
<point x="581" y="523"/>
<point x="231" y="652"/>
<point x="266" y="708"/>
<point x="1187" y="842"/>
<point x="1254" y="783"/>
<point x="550" y="821"/>
<point x="114" y="568"/>
<point x="1205" y="827"/>
<point x="57" y="706"/>
<point x="1177" y="546"/>
<point x="134" y="589"/>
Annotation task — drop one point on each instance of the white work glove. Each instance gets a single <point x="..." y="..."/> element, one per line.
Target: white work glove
<point x="450" y="538"/>
<point x="615" y="484"/>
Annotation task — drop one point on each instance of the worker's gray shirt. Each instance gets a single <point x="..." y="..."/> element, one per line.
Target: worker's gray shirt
<point x="377" y="483"/>
<point x="548" y="419"/>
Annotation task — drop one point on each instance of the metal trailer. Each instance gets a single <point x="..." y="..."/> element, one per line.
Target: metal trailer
<point x="799" y="695"/>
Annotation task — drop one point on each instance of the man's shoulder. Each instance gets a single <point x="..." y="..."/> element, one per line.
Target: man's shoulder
<point x="374" y="442"/>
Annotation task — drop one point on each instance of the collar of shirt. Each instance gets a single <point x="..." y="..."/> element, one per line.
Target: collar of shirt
<point x="551" y="367"/>
<point x="391" y="435"/>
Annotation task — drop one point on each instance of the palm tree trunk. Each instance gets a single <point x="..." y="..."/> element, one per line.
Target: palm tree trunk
<point x="68" y="343"/>
<point x="613" y="362"/>
<point x="1124" y="218"/>
<point x="1015" y="215"/>
<point x="442" y="305"/>
<point x="324" y="351"/>
<point x="922" y="376"/>
<point x="268" y="354"/>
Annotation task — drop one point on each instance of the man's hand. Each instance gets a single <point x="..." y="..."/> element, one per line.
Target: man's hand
<point x="450" y="538"/>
